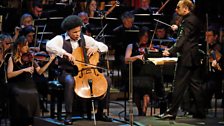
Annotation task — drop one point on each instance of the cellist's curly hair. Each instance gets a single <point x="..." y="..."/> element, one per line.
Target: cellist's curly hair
<point x="71" y="22"/>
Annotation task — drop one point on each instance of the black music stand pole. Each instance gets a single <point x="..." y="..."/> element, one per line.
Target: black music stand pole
<point x="131" y="118"/>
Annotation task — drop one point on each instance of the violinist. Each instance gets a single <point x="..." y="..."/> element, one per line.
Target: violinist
<point x="144" y="8"/>
<point x="3" y="86"/>
<point x="91" y="8"/>
<point x="43" y="61"/>
<point x="25" y="20"/>
<point x="29" y="32"/>
<point x="24" y="100"/>
<point x="136" y="52"/>
<point x="5" y="53"/>
<point x="24" y="97"/>
<point x="62" y="46"/>
<point x="214" y="82"/>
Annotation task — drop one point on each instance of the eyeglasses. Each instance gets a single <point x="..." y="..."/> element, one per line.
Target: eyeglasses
<point x="178" y="7"/>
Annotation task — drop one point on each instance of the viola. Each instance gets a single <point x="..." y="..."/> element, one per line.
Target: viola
<point x="89" y="83"/>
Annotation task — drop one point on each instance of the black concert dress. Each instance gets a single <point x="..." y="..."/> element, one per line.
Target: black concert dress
<point x="24" y="99"/>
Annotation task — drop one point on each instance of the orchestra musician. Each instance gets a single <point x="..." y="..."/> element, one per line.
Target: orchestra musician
<point x="40" y="80"/>
<point x="5" y="53"/>
<point x="25" y="20"/>
<point x="121" y="32"/>
<point x="29" y="32"/>
<point x="24" y="100"/>
<point x="144" y="8"/>
<point x="91" y="8"/>
<point x="136" y="52"/>
<point x="62" y="46"/>
<point x="188" y="71"/>
<point x="3" y="85"/>
<point x="214" y="79"/>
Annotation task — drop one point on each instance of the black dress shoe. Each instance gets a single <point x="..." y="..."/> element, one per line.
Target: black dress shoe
<point x="103" y="118"/>
<point x="166" y="116"/>
<point x="68" y="120"/>
<point x="44" y="110"/>
<point x="199" y="116"/>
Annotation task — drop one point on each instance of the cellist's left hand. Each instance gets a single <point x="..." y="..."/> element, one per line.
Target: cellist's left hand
<point x="92" y="50"/>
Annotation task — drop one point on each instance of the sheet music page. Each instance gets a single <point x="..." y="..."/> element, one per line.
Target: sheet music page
<point x="163" y="60"/>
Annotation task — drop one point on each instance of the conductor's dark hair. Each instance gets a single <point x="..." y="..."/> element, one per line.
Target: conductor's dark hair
<point x="71" y="22"/>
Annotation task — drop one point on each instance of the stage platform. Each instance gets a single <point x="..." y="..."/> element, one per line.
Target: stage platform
<point x="138" y="121"/>
<point x="116" y="112"/>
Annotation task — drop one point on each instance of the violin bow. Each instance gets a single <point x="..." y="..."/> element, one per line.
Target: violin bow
<point x="112" y="8"/>
<point x="161" y="8"/>
<point x="41" y="38"/>
<point x="153" y="35"/>
<point x="207" y="45"/>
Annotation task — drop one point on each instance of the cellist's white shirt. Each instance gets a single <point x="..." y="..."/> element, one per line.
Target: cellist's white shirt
<point x="55" y="45"/>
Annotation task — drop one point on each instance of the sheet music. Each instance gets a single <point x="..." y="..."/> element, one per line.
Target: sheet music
<point x="163" y="60"/>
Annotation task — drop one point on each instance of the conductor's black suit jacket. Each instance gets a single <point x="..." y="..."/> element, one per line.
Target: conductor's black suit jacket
<point x="187" y="41"/>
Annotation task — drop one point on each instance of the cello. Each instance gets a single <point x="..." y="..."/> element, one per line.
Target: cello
<point x="89" y="83"/>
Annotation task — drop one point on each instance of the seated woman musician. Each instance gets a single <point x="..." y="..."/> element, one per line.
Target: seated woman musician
<point x="136" y="52"/>
<point x="24" y="98"/>
<point x="5" y="53"/>
<point x="43" y="60"/>
<point x="24" y="101"/>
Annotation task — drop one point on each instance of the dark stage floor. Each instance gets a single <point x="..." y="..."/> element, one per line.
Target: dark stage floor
<point x="116" y="112"/>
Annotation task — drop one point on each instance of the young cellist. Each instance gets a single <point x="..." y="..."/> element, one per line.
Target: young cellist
<point x="63" y="46"/>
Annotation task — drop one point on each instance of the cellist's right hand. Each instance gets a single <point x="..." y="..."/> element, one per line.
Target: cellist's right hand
<point x="69" y="56"/>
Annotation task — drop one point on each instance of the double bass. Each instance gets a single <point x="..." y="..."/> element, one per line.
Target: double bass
<point x="89" y="83"/>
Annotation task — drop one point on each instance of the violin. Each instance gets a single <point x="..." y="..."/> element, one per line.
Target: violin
<point x="27" y="58"/>
<point x="41" y="57"/>
<point x="215" y="55"/>
<point x="89" y="83"/>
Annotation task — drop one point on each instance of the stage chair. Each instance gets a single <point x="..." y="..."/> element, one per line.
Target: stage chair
<point x="56" y="91"/>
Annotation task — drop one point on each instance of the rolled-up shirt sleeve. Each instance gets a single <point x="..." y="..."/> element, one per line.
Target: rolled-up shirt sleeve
<point x="91" y="42"/>
<point x="55" y="46"/>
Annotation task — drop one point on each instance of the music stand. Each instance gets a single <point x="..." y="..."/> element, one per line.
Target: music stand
<point x="146" y="19"/>
<point x="166" y="42"/>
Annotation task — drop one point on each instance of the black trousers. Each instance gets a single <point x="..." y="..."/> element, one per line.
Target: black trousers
<point x="187" y="77"/>
<point x="68" y="81"/>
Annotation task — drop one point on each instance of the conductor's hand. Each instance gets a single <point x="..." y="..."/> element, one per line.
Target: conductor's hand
<point x="166" y="53"/>
<point x="174" y="27"/>
<point x="91" y="51"/>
